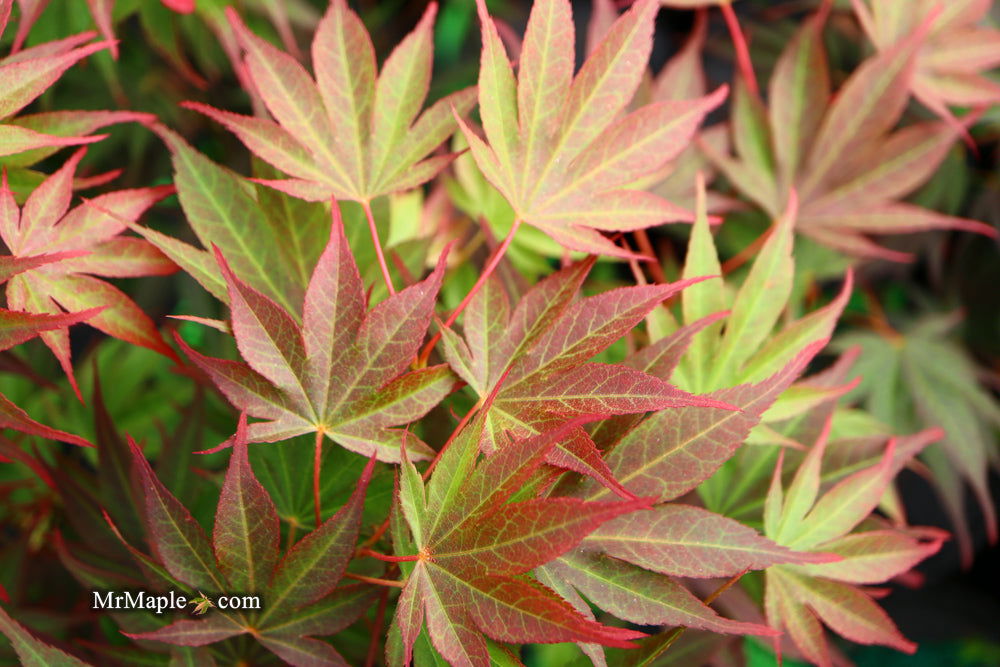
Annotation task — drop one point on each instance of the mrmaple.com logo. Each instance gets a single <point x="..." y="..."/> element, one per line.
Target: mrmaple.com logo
<point x="161" y="602"/>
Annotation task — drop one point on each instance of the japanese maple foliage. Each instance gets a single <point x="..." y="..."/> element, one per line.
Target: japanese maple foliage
<point x="77" y="245"/>
<point x="446" y="391"/>
<point x="843" y="154"/>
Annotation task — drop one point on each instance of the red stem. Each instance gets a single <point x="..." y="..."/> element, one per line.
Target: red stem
<point x="742" y="50"/>
<point x="378" y="246"/>
<point x="379" y="532"/>
<point x="724" y="587"/>
<point x="633" y="263"/>
<point x="487" y="272"/>
<point x="389" y="559"/>
<point x="646" y="248"/>
<point x="743" y="256"/>
<point x="451" y="438"/>
<point x="373" y="646"/>
<point x="317" y="462"/>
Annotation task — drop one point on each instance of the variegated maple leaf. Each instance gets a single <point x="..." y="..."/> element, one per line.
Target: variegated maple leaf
<point x="558" y="146"/>
<point x="957" y="52"/>
<point x="70" y="247"/>
<point x="350" y="133"/>
<point x="529" y="365"/>
<point x="27" y="74"/>
<point x="840" y="154"/>
<point x="919" y="378"/>
<point x="100" y="10"/>
<point x="340" y="373"/>
<point x="799" y="597"/>
<point x="627" y="565"/>
<point x="17" y="327"/>
<point x="681" y="78"/>
<point x="469" y="548"/>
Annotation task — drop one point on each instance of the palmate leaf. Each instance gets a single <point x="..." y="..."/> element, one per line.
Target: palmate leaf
<point x="300" y="588"/>
<point x="681" y="78"/>
<point x="31" y="651"/>
<point x="949" y="68"/>
<point x="275" y="253"/>
<point x="67" y="126"/>
<point x="840" y="153"/>
<point x="671" y="452"/>
<point x="625" y="565"/>
<point x="800" y="596"/>
<point x="532" y="362"/>
<point x="340" y="373"/>
<point x="24" y="75"/>
<point x="347" y="133"/>
<point x="473" y="548"/>
<point x="17" y="327"/>
<point x="69" y="247"/>
<point x="100" y="10"/>
<point x="920" y="379"/>
<point x="558" y="147"/>
<point x="749" y="349"/>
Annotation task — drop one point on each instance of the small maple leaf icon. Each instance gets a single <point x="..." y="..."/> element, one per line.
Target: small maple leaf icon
<point x="201" y="603"/>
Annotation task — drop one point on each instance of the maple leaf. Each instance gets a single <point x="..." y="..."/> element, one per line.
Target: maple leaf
<point x="100" y="10"/>
<point x="300" y="588"/>
<point x="473" y="546"/>
<point x="681" y="78"/>
<point x="202" y="603"/>
<point x="348" y="134"/>
<point x="917" y="377"/>
<point x="949" y="67"/>
<point x="270" y="239"/>
<point x="800" y="596"/>
<point x="77" y="245"/>
<point x="24" y="75"/>
<point x="31" y="651"/>
<point x="340" y="373"/>
<point x="530" y="364"/>
<point x="68" y="127"/>
<point x="51" y="259"/>
<point x="17" y="327"/>
<point x="702" y="355"/>
<point x="839" y="153"/>
<point x="557" y="146"/>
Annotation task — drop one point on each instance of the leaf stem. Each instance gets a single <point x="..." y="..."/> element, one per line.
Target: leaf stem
<point x="743" y="256"/>
<point x="742" y="50"/>
<point x="484" y="276"/>
<point x="373" y="646"/>
<point x="379" y="532"/>
<point x="724" y="587"/>
<point x="317" y="462"/>
<point x="378" y="246"/>
<point x="675" y="634"/>
<point x="451" y="438"/>
<point x="389" y="559"/>
<point x="646" y="248"/>
<point x="374" y="580"/>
